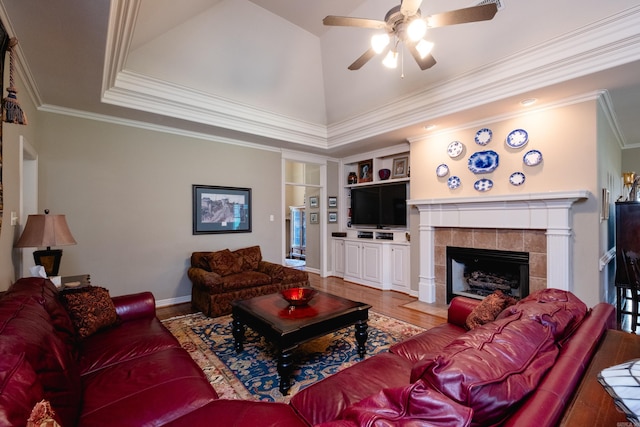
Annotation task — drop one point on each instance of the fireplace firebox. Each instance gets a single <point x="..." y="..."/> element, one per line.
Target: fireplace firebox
<point x="477" y="273"/>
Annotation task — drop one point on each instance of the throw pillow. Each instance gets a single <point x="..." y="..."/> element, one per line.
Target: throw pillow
<point x="622" y="382"/>
<point x="225" y="263"/>
<point x="251" y="257"/>
<point x="90" y="309"/>
<point x="488" y="309"/>
<point x="42" y="416"/>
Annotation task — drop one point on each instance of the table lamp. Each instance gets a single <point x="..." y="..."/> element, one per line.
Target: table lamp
<point x="46" y="230"/>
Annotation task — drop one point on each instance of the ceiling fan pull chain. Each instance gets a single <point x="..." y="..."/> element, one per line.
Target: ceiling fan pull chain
<point x="402" y="63"/>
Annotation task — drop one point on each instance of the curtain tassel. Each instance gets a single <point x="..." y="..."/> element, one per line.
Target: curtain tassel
<point x="11" y="110"/>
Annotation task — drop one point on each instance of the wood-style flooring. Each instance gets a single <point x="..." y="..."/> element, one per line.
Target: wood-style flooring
<point x="389" y="303"/>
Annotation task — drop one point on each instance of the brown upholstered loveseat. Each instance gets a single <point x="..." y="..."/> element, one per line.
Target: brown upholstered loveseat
<point x="223" y="276"/>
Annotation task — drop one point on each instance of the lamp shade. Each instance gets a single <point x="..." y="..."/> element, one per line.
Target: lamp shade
<point x="45" y="230"/>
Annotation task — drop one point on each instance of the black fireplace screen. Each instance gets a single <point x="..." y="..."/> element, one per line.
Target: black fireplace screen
<point x="477" y="273"/>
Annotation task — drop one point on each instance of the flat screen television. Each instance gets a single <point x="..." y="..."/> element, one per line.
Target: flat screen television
<point x="379" y="206"/>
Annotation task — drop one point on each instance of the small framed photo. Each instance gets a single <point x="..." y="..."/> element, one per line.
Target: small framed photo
<point x="313" y="218"/>
<point x="400" y="167"/>
<point x="365" y="171"/>
<point x="333" y="202"/>
<point x="221" y="209"/>
<point x="313" y="202"/>
<point x="332" y="217"/>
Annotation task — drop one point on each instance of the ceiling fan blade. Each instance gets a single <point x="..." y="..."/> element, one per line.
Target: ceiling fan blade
<point x="424" y="63"/>
<point x="462" y="16"/>
<point x="364" y="58"/>
<point x="346" y="21"/>
<point x="410" y="7"/>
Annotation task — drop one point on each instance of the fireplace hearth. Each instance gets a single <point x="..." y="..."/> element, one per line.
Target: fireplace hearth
<point x="477" y="273"/>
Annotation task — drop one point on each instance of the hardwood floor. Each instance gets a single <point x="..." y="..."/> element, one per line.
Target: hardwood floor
<point x="389" y="303"/>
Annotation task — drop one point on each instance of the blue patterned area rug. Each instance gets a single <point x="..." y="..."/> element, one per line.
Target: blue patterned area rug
<point x="253" y="375"/>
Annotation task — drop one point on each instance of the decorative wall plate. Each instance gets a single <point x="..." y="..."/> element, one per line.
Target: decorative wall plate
<point x="453" y="182"/>
<point x="532" y="158"/>
<point x="442" y="170"/>
<point x="483" y="184"/>
<point x="517" y="138"/>
<point x="483" y="136"/>
<point x="454" y="149"/>
<point x="517" y="178"/>
<point x="483" y="161"/>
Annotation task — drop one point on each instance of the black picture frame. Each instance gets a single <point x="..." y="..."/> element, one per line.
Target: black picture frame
<point x="219" y="209"/>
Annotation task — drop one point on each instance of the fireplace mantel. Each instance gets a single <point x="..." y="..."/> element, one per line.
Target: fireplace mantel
<point x="549" y="211"/>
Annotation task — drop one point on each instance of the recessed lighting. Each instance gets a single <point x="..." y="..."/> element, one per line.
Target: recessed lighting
<point x="430" y="127"/>
<point x="529" y="101"/>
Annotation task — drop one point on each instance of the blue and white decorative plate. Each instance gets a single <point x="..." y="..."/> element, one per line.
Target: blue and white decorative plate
<point x="532" y="158"/>
<point x="483" y="136"/>
<point x="517" y="178"/>
<point x="455" y="148"/>
<point x="483" y="184"/>
<point x="453" y="182"/>
<point x="517" y="138"/>
<point x="442" y="170"/>
<point x="483" y="161"/>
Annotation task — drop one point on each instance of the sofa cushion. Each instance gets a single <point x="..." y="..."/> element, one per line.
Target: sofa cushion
<point x="492" y="367"/>
<point x="411" y="405"/>
<point x="488" y="309"/>
<point x="251" y="257"/>
<point x="90" y="309"/>
<point x="19" y="389"/>
<point x="246" y="279"/>
<point x="559" y="310"/>
<point x="325" y="400"/>
<point x="425" y="344"/>
<point x="225" y="263"/>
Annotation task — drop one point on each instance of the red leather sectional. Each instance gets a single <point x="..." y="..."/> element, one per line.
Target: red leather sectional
<point x="519" y="370"/>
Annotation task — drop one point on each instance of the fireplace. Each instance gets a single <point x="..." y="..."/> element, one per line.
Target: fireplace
<point x="477" y="273"/>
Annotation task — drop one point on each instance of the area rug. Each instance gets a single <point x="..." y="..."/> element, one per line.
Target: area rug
<point x="253" y="375"/>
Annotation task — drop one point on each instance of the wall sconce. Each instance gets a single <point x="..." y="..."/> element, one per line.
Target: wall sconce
<point x="46" y="231"/>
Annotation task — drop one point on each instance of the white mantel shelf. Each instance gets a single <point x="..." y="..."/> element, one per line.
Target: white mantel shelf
<point x="549" y="211"/>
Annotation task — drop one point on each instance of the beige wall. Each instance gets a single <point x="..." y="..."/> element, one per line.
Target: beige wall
<point x="567" y="137"/>
<point x="127" y="194"/>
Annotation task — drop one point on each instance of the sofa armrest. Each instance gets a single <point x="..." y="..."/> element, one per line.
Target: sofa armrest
<point x="204" y="278"/>
<point x="135" y="306"/>
<point x="459" y="309"/>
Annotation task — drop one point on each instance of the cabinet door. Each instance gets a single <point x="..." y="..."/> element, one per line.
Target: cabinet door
<point x="338" y="257"/>
<point x="352" y="259"/>
<point x="400" y="266"/>
<point x="372" y="262"/>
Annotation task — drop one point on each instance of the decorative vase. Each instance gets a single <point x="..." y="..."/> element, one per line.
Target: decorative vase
<point x="352" y="178"/>
<point x="384" y="174"/>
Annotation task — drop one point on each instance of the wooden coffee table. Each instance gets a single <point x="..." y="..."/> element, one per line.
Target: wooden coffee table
<point x="287" y="327"/>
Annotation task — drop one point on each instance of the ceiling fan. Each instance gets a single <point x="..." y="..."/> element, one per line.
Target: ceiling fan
<point x="405" y="23"/>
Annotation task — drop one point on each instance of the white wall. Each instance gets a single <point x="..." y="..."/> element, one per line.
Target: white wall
<point x="127" y="195"/>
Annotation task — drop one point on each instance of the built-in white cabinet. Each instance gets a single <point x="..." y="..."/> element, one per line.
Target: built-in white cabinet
<point x="338" y="257"/>
<point x="377" y="263"/>
<point x="400" y="256"/>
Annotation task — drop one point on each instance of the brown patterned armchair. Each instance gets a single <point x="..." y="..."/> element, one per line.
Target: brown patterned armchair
<point x="223" y="276"/>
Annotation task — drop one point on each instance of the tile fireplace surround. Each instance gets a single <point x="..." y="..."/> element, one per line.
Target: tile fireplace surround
<point x="527" y="215"/>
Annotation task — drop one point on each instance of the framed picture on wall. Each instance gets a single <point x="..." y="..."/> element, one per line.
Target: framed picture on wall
<point x="365" y="171"/>
<point x="332" y="216"/>
<point x="333" y="202"/>
<point x="313" y="218"/>
<point x="400" y="167"/>
<point x="313" y="202"/>
<point x="221" y="209"/>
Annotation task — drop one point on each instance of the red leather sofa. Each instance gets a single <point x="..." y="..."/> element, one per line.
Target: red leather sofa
<point x="519" y="370"/>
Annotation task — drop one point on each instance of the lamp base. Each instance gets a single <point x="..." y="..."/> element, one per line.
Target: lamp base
<point x="49" y="259"/>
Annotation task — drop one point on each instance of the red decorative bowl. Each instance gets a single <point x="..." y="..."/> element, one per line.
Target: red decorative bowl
<point x="298" y="296"/>
<point x="384" y="174"/>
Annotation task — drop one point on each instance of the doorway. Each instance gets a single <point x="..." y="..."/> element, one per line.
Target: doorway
<point x="303" y="192"/>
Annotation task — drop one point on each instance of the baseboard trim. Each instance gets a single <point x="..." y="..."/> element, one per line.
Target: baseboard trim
<point x="173" y="301"/>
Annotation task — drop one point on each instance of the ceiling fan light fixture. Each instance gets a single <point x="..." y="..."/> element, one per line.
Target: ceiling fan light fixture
<point x="391" y="60"/>
<point x="416" y="29"/>
<point x="424" y="48"/>
<point x="379" y="42"/>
